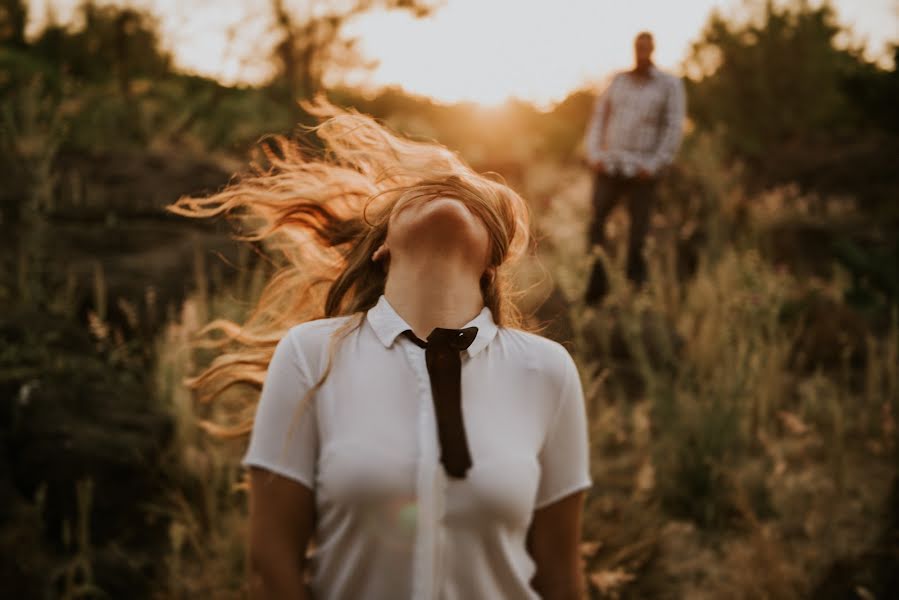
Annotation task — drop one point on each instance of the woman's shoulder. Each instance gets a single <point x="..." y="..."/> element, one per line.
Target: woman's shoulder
<point x="310" y="338"/>
<point x="537" y="351"/>
<point x="318" y="327"/>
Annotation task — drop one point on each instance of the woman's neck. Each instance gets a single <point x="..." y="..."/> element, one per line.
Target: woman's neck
<point x="428" y="293"/>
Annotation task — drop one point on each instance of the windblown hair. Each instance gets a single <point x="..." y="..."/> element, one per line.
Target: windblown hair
<point x="321" y="216"/>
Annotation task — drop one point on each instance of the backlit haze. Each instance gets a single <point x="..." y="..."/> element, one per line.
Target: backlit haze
<point x="485" y="51"/>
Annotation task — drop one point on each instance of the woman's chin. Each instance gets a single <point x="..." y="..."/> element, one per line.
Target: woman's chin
<point x="448" y="209"/>
<point x="440" y="229"/>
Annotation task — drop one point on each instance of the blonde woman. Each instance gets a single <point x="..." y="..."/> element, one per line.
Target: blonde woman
<point x="410" y="440"/>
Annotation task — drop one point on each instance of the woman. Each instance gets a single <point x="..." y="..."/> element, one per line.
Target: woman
<point x="410" y="438"/>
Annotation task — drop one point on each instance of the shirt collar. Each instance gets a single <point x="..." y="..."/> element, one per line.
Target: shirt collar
<point x="653" y="71"/>
<point x="387" y="325"/>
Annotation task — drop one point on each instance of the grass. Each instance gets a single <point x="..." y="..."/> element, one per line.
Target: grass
<point x="710" y="445"/>
<point x="206" y="510"/>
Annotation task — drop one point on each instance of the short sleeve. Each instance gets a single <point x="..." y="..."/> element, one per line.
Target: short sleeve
<point x="565" y="456"/>
<point x="284" y="439"/>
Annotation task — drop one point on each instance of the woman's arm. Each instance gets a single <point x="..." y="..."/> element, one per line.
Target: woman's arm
<point x="282" y="519"/>
<point x="554" y="543"/>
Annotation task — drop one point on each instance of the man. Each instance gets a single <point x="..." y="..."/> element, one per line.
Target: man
<point x="633" y="135"/>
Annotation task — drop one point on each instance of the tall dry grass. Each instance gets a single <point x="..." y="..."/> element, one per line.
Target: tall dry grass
<point x="724" y="469"/>
<point x="206" y="507"/>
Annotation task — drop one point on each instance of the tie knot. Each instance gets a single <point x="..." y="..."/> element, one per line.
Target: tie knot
<point x="457" y="339"/>
<point x="446" y="339"/>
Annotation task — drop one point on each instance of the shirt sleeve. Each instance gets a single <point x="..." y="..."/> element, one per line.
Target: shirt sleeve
<point x="597" y="126"/>
<point x="672" y="128"/>
<point x="285" y="438"/>
<point x="565" y="456"/>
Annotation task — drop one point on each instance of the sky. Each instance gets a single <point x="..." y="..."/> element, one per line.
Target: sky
<point x="479" y="50"/>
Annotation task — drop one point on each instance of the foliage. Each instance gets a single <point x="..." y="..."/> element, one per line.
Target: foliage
<point x="205" y="507"/>
<point x="83" y="437"/>
<point x="31" y="131"/>
<point x="795" y="105"/>
<point x="774" y="81"/>
<point x="13" y="17"/>
<point x="112" y="42"/>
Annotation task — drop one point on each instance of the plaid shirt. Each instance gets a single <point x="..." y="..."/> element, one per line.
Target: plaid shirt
<point x="637" y="123"/>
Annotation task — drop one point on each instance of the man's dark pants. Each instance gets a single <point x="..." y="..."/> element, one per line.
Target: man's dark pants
<point x="607" y="191"/>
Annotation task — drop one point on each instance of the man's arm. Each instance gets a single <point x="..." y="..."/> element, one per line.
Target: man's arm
<point x="672" y="128"/>
<point x="596" y="130"/>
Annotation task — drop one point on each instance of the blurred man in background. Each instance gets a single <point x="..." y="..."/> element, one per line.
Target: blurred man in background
<point x="634" y="133"/>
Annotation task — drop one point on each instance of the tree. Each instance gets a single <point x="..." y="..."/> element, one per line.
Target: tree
<point x="311" y="42"/>
<point x="773" y="81"/>
<point x="13" y="16"/>
<point x="795" y="105"/>
<point x="113" y="41"/>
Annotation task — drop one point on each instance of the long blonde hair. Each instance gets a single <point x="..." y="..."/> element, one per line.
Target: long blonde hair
<point x="322" y="215"/>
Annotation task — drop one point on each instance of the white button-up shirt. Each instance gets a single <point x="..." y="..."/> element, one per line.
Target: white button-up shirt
<point x="390" y="523"/>
<point x="637" y="123"/>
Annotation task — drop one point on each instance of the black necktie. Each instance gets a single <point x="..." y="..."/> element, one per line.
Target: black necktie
<point x="445" y="371"/>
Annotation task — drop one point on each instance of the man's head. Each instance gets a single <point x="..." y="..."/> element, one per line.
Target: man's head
<point x="643" y="47"/>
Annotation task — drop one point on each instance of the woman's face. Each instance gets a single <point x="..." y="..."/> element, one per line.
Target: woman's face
<point x="441" y="226"/>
